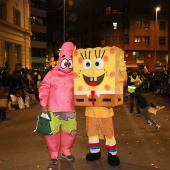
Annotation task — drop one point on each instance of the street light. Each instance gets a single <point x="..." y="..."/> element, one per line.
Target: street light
<point x="64" y="20"/>
<point x="157" y="9"/>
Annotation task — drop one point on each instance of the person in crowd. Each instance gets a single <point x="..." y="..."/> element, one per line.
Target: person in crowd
<point x="133" y="81"/>
<point x="145" y="77"/>
<point x="56" y="96"/>
<point x="144" y="104"/>
<point x="3" y="104"/>
<point x="125" y="91"/>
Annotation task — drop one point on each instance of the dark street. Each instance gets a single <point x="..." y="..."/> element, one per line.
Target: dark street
<point x="139" y="147"/>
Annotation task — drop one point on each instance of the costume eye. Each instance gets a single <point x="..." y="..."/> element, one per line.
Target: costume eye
<point x="86" y="64"/>
<point x="63" y="63"/>
<point x="70" y="64"/>
<point x="99" y="63"/>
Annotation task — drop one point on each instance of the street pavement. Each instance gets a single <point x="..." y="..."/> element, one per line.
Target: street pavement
<point x="139" y="147"/>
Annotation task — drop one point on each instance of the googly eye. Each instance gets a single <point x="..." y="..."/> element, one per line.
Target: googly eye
<point x="70" y="64"/>
<point x="87" y="64"/>
<point x="99" y="63"/>
<point x="63" y="63"/>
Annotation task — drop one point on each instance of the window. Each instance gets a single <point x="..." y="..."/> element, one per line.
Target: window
<point x="162" y="25"/>
<point x="2" y="11"/>
<point x="7" y="51"/>
<point x="17" y="17"/>
<point x="126" y="39"/>
<point x="146" y="25"/>
<point x="114" y="11"/>
<point x="138" y="39"/>
<point x="38" y="52"/>
<point x="37" y="36"/>
<point x="146" y="40"/>
<point x="161" y="40"/>
<point x="135" y="55"/>
<point x="108" y="10"/>
<point x="17" y="53"/>
<point x="138" y="24"/>
<point x="115" y="25"/>
<point x="38" y="4"/>
<point x="37" y="21"/>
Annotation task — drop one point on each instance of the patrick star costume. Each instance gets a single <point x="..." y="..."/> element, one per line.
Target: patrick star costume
<point x="56" y="96"/>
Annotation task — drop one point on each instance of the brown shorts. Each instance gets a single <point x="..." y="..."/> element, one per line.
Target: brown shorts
<point x="96" y="126"/>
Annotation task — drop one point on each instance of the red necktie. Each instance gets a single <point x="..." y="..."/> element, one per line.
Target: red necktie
<point x="92" y="96"/>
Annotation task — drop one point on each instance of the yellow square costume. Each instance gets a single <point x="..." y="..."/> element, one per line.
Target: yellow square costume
<point x="99" y="74"/>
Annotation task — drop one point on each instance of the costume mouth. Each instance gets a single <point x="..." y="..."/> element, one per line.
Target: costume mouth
<point x="93" y="81"/>
<point x="65" y="72"/>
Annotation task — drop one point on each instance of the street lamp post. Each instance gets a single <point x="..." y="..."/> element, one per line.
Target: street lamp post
<point x="64" y="20"/>
<point x="157" y="9"/>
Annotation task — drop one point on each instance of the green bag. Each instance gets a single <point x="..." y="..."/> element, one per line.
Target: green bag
<point x="43" y="124"/>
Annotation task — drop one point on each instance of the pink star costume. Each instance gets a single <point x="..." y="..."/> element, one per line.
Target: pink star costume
<point x="56" y="93"/>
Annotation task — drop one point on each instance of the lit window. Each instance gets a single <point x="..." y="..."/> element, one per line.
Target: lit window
<point x="138" y="39"/>
<point x="115" y="25"/>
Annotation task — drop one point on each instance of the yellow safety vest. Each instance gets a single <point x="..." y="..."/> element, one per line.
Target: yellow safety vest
<point x="131" y="88"/>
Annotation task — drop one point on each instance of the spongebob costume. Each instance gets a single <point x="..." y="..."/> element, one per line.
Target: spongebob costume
<point x="99" y="74"/>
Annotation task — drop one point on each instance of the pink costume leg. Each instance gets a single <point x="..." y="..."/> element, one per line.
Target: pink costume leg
<point x="67" y="141"/>
<point x="53" y="143"/>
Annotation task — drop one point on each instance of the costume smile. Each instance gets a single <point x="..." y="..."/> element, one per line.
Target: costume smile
<point x="93" y="81"/>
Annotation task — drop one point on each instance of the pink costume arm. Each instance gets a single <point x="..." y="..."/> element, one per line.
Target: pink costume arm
<point x="44" y="90"/>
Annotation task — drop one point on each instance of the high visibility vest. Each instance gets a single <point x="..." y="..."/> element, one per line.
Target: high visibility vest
<point x="131" y="88"/>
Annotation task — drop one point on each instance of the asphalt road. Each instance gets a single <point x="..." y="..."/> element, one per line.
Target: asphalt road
<point x="139" y="147"/>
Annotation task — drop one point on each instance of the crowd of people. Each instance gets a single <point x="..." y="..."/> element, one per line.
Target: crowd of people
<point x="157" y="81"/>
<point x="142" y="81"/>
<point x="19" y="87"/>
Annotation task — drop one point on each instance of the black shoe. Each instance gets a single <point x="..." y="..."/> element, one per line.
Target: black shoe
<point x="69" y="158"/>
<point x="113" y="160"/>
<point x="52" y="164"/>
<point x="93" y="156"/>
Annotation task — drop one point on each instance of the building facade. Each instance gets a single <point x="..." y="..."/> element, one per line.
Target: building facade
<point x="137" y="28"/>
<point x="39" y="30"/>
<point x="15" y="33"/>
